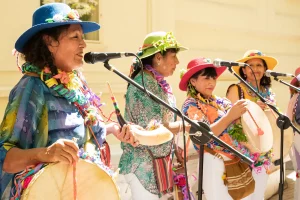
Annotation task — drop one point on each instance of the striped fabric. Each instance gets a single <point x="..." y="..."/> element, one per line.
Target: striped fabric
<point x="163" y="173"/>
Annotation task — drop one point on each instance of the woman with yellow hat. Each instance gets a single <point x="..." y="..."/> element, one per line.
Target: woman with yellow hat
<point x="199" y="80"/>
<point x="141" y="165"/>
<point x="254" y="74"/>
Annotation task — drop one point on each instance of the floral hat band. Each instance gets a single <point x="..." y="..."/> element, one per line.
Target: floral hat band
<point x="257" y="53"/>
<point x="158" y="42"/>
<point x="72" y="15"/>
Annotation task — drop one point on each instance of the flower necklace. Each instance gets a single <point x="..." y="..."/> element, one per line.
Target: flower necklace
<point x="73" y="87"/>
<point x="212" y="100"/>
<point x="160" y="79"/>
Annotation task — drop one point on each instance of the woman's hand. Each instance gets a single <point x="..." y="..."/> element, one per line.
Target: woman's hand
<point x="125" y="134"/>
<point x="262" y="105"/>
<point x="237" y="110"/>
<point x="62" y="150"/>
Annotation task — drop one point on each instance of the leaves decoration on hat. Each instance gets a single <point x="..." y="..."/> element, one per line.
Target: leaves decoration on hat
<point x="166" y="42"/>
<point x="182" y="72"/>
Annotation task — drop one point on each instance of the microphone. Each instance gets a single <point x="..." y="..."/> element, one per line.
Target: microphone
<point x="93" y="57"/>
<point x="222" y="63"/>
<point x="270" y="73"/>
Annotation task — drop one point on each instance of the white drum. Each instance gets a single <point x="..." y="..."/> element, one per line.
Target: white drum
<point x="255" y="119"/>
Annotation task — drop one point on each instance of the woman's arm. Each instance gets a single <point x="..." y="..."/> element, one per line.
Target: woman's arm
<point x="18" y="159"/>
<point x="61" y="151"/>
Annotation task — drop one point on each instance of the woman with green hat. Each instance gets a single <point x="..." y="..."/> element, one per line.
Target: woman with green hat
<point x="140" y="164"/>
<point x="254" y="74"/>
<point x="52" y="104"/>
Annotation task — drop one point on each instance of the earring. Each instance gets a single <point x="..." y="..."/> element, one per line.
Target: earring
<point x="158" y="63"/>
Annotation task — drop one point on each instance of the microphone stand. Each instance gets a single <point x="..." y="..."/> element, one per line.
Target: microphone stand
<point x="283" y="122"/>
<point x="287" y="84"/>
<point x="202" y="134"/>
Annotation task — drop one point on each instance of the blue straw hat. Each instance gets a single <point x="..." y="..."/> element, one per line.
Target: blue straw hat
<point x="53" y="15"/>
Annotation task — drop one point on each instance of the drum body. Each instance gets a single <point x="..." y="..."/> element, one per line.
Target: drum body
<point x="287" y="137"/>
<point x="55" y="182"/>
<point x="261" y="143"/>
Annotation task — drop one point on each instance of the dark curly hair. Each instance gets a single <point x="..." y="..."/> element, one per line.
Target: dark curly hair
<point x="36" y="51"/>
<point x="264" y="81"/>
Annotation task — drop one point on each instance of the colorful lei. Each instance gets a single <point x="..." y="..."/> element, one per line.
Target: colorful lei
<point x="160" y="79"/>
<point x="72" y="87"/>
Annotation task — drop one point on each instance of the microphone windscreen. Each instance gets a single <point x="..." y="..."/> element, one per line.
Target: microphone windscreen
<point x="88" y="58"/>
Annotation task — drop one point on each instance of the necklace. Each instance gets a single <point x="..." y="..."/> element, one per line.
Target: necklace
<point x="73" y="87"/>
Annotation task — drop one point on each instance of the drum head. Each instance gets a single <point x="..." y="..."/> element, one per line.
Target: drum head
<point x="263" y="143"/>
<point x="55" y="182"/>
<point x="287" y="140"/>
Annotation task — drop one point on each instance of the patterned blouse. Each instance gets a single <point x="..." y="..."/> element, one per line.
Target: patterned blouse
<point x="140" y="109"/>
<point x="209" y="113"/>
<point x="37" y="117"/>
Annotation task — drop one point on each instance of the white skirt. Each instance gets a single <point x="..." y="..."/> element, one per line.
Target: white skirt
<point x="213" y="185"/>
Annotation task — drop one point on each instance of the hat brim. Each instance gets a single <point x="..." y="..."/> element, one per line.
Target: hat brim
<point x="23" y="39"/>
<point x="270" y="61"/>
<point x="186" y="77"/>
<point x="151" y="51"/>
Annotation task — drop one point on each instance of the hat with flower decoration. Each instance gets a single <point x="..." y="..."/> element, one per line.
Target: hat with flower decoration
<point x="158" y="42"/>
<point x="52" y="15"/>
<point x="250" y="54"/>
<point x="193" y="67"/>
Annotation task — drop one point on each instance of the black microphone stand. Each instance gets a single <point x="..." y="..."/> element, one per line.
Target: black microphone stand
<point x="202" y="131"/>
<point x="287" y="84"/>
<point x="283" y="122"/>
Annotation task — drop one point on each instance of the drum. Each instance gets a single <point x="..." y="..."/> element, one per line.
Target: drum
<point x="253" y="120"/>
<point x="287" y="137"/>
<point x="55" y="182"/>
<point x="157" y="136"/>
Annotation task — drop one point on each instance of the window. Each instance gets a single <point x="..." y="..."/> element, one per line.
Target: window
<point x="87" y="9"/>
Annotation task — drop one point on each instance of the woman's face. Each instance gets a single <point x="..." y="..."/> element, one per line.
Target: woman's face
<point x="68" y="50"/>
<point x="204" y="85"/>
<point x="166" y="65"/>
<point x="258" y="68"/>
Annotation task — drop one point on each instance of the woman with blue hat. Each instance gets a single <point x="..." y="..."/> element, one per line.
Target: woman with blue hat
<point x="52" y="104"/>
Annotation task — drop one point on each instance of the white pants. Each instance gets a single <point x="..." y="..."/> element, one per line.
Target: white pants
<point x="213" y="185"/>
<point x="295" y="165"/>
<point x="138" y="192"/>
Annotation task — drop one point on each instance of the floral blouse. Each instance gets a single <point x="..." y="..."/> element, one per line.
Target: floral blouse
<point x="210" y="112"/>
<point x="37" y="117"/>
<point x="140" y="109"/>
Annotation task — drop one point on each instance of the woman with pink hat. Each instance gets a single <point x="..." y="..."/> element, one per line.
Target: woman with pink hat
<point x="255" y="76"/>
<point x="293" y="112"/>
<point x="52" y="105"/>
<point x="199" y="80"/>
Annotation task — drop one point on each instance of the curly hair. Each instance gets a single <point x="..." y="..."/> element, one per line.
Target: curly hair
<point x="36" y="51"/>
<point x="264" y="81"/>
